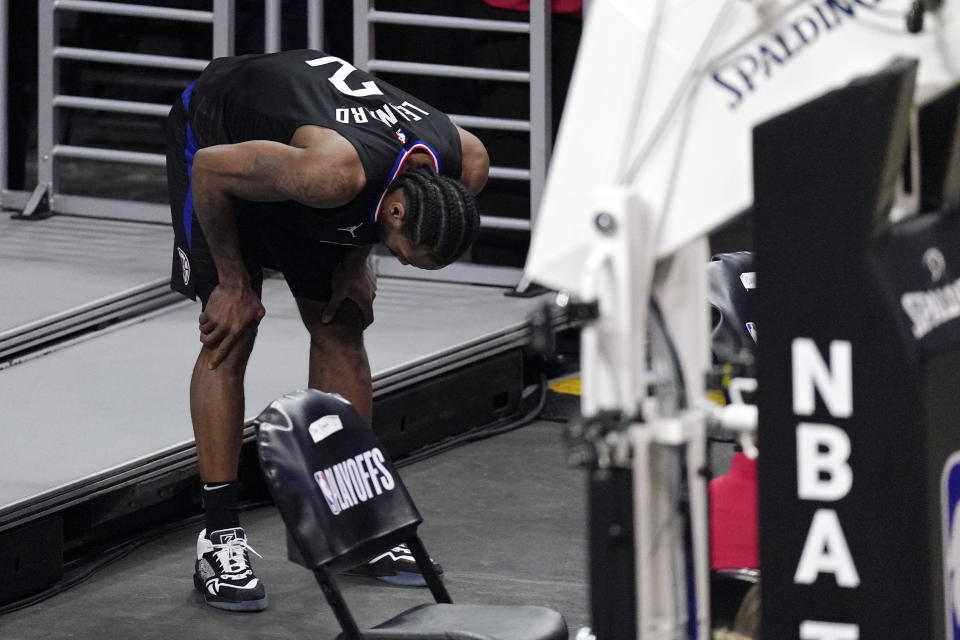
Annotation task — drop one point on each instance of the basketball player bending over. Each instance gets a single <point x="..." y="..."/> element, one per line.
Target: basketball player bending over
<point x="299" y="162"/>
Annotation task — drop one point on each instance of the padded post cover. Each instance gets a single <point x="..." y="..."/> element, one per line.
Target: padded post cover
<point x="822" y="175"/>
<point x="337" y="491"/>
<point x="918" y="260"/>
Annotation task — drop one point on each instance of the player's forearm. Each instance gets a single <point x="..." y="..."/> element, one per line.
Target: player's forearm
<point x="356" y="257"/>
<point x="359" y="254"/>
<point x="213" y="207"/>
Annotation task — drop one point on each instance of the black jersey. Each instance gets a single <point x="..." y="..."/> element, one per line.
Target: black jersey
<point x="267" y="97"/>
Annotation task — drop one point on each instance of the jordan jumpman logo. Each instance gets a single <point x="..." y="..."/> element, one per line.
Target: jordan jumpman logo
<point x="351" y="230"/>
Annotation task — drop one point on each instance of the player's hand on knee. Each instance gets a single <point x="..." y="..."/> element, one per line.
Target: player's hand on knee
<point x="230" y="312"/>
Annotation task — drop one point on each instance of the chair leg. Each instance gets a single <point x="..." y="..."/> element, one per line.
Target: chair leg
<point x="420" y="554"/>
<point x="332" y="593"/>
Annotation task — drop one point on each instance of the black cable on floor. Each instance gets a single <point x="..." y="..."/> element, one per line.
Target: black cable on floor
<point x="495" y="428"/>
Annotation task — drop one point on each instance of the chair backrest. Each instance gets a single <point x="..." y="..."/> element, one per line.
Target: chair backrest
<point x="337" y="491"/>
<point x="731" y="280"/>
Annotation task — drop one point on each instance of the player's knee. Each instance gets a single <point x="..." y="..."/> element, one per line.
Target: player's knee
<point x="235" y="363"/>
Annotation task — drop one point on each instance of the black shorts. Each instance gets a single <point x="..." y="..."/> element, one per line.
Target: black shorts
<point x="268" y="239"/>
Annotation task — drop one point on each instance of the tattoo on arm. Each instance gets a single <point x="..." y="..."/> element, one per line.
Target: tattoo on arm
<point x="318" y="187"/>
<point x="269" y="168"/>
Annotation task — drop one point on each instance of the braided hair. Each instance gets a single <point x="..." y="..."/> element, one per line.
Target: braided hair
<point x="441" y="214"/>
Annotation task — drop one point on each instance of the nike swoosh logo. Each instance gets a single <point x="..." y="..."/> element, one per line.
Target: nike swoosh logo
<point x="395" y="558"/>
<point x="214" y="585"/>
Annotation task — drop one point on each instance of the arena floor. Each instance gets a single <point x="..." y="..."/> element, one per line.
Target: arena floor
<point x="504" y="516"/>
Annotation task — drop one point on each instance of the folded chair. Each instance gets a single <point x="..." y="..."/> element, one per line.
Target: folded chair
<point x="343" y="503"/>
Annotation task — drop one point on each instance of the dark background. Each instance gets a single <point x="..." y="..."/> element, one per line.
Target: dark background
<point x="163" y="37"/>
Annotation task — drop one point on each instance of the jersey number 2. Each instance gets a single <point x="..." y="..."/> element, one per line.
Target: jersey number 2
<point x="339" y="79"/>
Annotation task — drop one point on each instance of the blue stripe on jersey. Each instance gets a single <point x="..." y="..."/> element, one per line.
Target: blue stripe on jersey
<point x="398" y="165"/>
<point x="189" y="152"/>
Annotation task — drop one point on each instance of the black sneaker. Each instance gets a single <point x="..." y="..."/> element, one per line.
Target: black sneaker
<point x="397" y="567"/>
<point x="223" y="573"/>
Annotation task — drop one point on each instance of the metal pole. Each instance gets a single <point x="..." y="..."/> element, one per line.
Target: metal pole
<point x="315" y="25"/>
<point x="481" y="122"/>
<point x="448" y="22"/>
<point x="447" y="70"/>
<point x="509" y="173"/>
<point x="271" y="26"/>
<point x="362" y="34"/>
<point x="4" y="90"/>
<point x="495" y="222"/>
<point x="121" y="106"/>
<point x="135" y="59"/>
<point x="120" y="9"/>
<point x="223" y="21"/>
<point x="113" y="155"/>
<point x="47" y="134"/>
<point x="541" y="128"/>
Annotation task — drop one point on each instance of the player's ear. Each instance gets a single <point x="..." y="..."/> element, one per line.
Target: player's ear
<point x="397" y="212"/>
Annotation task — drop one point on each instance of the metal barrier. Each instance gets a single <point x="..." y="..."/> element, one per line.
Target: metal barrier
<point x="366" y="16"/>
<point x="47" y="198"/>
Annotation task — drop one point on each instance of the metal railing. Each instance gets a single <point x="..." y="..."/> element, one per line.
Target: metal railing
<point x="365" y="19"/>
<point x="47" y="197"/>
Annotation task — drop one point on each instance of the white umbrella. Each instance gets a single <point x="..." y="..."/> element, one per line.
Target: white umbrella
<point x="665" y="94"/>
